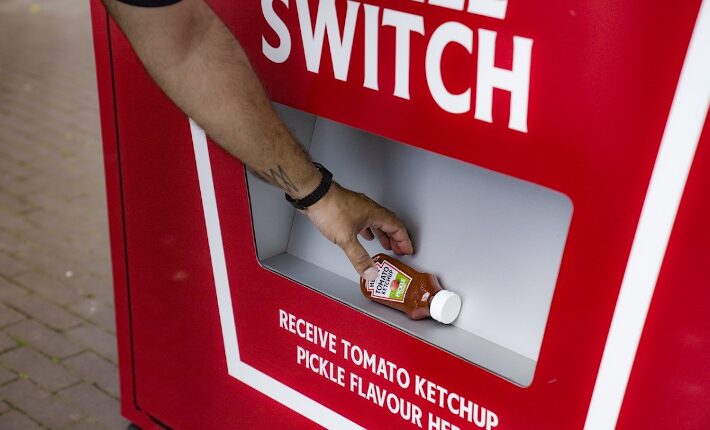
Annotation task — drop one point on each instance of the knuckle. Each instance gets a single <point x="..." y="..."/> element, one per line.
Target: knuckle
<point x="346" y="242"/>
<point x="362" y="260"/>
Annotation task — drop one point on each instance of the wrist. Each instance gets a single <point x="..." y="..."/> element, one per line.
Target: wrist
<point x="309" y="182"/>
<point x="324" y="184"/>
<point x="327" y="199"/>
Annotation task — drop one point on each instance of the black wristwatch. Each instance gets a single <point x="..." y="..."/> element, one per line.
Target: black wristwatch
<point x="317" y="194"/>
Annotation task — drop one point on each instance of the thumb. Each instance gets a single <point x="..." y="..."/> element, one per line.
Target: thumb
<point x="360" y="259"/>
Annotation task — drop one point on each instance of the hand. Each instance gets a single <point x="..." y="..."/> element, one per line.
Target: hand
<point x="343" y="214"/>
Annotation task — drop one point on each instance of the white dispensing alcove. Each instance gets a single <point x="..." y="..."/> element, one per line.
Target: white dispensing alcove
<point x="495" y="240"/>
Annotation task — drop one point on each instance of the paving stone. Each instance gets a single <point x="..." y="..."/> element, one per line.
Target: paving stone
<point x="9" y="316"/>
<point x="10" y="265"/>
<point x="44" y="339"/>
<point x="90" y="285"/>
<point x="95" y="339"/>
<point x="8" y="240"/>
<point x="6" y="375"/>
<point x="44" y="258"/>
<point x="9" y="289"/>
<point x="6" y="342"/>
<point x="39" y="368"/>
<point x="96" y="369"/>
<point x="13" y="245"/>
<point x="89" y="424"/>
<point x="42" y="406"/>
<point x="44" y="311"/>
<point x="45" y="251"/>
<point x="97" y="312"/>
<point x="93" y="401"/>
<point x="13" y="203"/>
<point x="61" y="211"/>
<point x="48" y="286"/>
<point x="11" y="168"/>
<point x="15" y="420"/>
<point x="53" y="217"/>
<point x="13" y="222"/>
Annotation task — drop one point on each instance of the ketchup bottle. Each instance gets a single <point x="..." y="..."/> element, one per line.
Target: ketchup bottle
<point x="417" y="294"/>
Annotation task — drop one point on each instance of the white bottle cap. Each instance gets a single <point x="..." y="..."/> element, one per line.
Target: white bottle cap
<point x="445" y="306"/>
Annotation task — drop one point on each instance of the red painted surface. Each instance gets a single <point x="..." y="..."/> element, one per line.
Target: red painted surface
<point x="104" y="74"/>
<point x="602" y="80"/>
<point x="670" y="382"/>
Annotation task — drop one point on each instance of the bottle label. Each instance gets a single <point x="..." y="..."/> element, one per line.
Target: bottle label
<point x="390" y="284"/>
<point x="371" y="284"/>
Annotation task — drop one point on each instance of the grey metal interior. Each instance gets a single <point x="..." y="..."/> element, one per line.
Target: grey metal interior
<point x="495" y="240"/>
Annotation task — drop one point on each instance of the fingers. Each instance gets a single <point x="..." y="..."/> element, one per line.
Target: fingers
<point x="397" y="250"/>
<point x="382" y="237"/>
<point x="366" y="234"/>
<point x="389" y="224"/>
<point x="360" y="259"/>
<point x="399" y="237"/>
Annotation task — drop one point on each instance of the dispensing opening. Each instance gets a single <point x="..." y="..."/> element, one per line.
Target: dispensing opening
<point x="495" y="240"/>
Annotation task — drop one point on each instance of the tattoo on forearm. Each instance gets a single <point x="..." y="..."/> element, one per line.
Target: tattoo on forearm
<point x="278" y="177"/>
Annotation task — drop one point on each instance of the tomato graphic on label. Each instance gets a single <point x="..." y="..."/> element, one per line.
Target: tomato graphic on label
<point x="395" y="285"/>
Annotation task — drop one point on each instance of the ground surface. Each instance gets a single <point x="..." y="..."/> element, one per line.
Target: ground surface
<point x="57" y="341"/>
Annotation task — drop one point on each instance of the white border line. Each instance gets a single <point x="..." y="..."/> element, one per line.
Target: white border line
<point x="235" y="367"/>
<point x="214" y="239"/>
<point x="680" y="140"/>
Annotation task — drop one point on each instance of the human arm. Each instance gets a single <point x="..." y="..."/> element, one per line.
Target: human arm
<point x="199" y="64"/>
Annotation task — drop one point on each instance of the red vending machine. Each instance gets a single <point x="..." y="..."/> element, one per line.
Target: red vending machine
<point x="552" y="162"/>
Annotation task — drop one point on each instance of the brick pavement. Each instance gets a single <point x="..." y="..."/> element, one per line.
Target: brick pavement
<point x="57" y="331"/>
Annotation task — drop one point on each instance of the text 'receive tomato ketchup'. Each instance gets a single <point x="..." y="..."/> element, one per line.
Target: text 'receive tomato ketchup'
<point x="417" y="294"/>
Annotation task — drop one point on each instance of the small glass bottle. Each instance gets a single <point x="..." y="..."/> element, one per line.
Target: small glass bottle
<point x="417" y="294"/>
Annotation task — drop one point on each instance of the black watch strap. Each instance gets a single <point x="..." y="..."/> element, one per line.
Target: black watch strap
<point x="317" y="194"/>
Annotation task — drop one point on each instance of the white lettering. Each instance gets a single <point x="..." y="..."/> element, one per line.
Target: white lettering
<point x="404" y="24"/>
<point x="479" y="419"/>
<point x="492" y="420"/>
<point x="327" y="22"/>
<point x="372" y="22"/>
<point x="438" y="423"/>
<point x="300" y="354"/>
<point x="283" y="319"/>
<point x="490" y="8"/>
<point x="341" y="35"/>
<point x="320" y="366"/>
<point x="517" y="80"/>
<point x="449" y="403"/>
<point x="355" y="382"/>
<point x="447" y="33"/>
<point x="449" y="4"/>
<point x="419" y="386"/>
<point x="308" y="331"/>
<point x="403" y="378"/>
<point x="280" y="53"/>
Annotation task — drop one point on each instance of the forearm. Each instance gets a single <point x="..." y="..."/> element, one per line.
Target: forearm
<point x="197" y="62"/>
<point x="208" y="75"/>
